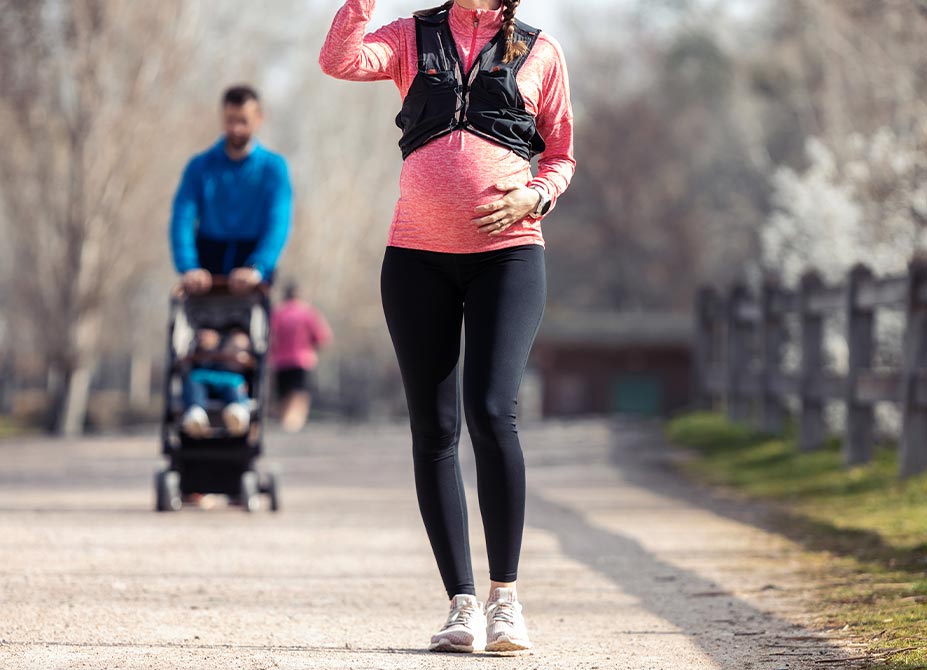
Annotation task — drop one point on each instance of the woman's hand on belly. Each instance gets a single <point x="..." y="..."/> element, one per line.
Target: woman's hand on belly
<point x="498" y="216"/>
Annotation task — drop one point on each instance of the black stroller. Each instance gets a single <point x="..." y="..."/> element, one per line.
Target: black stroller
<point x="215" y="462"/>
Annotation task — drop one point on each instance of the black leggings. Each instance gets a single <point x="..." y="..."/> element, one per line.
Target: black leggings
<point x="499" y="296"/>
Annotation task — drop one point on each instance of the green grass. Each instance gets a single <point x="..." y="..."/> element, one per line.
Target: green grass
<point x="870" y="527"/>
<point x="8" y="428"/>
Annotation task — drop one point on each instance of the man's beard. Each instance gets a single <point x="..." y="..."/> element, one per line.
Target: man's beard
<point x="238" y="144"/>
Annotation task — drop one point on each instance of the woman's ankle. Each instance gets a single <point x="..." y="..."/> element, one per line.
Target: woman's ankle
<point x="493" y="585"/>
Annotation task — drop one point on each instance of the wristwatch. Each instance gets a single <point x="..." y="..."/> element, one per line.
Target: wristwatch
<point x="543" y="206"/>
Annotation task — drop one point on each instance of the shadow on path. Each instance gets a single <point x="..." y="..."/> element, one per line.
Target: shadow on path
<point x="715" y="619"/>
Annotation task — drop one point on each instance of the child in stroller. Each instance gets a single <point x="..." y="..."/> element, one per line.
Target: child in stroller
<point x="217" y="367"/>
<point x="216" y="371"/>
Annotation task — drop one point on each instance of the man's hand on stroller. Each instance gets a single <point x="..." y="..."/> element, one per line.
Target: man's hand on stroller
<point x="243" y="280"/>
<point x="197" y="281"/>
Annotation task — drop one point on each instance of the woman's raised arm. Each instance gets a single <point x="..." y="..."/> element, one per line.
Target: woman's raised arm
<point x="348" y="53"/>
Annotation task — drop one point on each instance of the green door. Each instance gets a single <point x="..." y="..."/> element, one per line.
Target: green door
<point x="638" y="393"/>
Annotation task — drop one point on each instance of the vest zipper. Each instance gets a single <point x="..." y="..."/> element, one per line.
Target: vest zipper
<point x="476" y="32"/>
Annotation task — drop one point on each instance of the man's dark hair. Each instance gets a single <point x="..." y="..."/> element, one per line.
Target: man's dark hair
<point x="239" y="95"/>
<point x="291" y="291"/>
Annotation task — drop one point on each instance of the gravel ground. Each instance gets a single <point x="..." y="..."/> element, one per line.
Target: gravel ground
<point x="624" y="565"/>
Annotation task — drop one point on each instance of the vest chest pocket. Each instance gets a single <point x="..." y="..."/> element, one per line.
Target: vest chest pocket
<point x="431" y="95"/>
<point x="497" y="112"/>
<point x="435" y="81"/>
<point x="497" y="87"/>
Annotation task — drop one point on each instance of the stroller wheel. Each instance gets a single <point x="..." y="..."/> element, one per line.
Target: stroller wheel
<point x="271" y="488"/>
<point x="249" y="494"/>
<point x="167" y="491"/>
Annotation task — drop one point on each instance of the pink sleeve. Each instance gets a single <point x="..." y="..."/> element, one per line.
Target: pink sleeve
<point x="555" y="124"/>
<point x="323" y="332"/>
<point x="319" y="330"/>
<point x="350" y="54"/>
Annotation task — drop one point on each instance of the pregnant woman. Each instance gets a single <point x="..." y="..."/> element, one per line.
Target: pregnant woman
<point x="483" y="93"/>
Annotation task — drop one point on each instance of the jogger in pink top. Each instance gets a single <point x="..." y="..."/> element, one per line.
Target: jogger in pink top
<point x="297" y="332"/>
<point x="482" y="94"/>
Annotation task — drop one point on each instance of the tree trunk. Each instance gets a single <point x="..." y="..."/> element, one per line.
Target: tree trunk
<point x="140" y="382"/>
<point x="82" y="343"/>
<point x="75" y="402"/>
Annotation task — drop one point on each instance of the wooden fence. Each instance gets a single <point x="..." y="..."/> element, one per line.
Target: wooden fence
<point x="740" y="339"/>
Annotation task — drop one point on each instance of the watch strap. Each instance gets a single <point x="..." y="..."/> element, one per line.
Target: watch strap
<point x="543" y="204"/>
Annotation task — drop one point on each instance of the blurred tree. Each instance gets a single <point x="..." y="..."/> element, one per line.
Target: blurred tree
<point x="671" y="187"/>
<point x="855" y="74"/>
<point x="709" y="140"/>
<point x="88" y="87"/>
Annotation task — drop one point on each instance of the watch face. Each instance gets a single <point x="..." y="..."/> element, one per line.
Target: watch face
<point x="543" y="206"/>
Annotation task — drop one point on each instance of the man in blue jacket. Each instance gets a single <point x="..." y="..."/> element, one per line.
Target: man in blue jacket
<point x="234" y="206"/>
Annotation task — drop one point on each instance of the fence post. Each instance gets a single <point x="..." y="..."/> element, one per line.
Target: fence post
<point x="736" y="355"/>
<point x="858" y="440"/>
<point x="772" y="334"/>
<point x="706" y="303"/>
<point x="812" y="427"/>
<point x="7" y="382"/>
<point x="913" y="454"/>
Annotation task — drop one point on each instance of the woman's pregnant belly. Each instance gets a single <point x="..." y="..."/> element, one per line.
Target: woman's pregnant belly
<point x="442" y="184"/>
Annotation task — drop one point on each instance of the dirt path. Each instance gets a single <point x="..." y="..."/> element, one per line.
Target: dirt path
<point x="623" y="566"/>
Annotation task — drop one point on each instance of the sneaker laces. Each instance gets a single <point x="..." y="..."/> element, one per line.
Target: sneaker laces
<point x="503" y="612"/>
<point x="461" y="617"/>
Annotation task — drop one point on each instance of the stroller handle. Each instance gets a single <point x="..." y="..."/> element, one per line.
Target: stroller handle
<point x="221" y="285"/>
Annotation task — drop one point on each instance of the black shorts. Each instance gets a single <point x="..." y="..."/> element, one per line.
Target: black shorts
<point x="291" y="380"/>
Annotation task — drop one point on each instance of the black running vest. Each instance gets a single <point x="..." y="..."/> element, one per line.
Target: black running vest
<point x="485" y="101"/>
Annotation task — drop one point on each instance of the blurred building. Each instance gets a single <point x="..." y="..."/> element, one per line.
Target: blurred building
<point x="613" y="363"/>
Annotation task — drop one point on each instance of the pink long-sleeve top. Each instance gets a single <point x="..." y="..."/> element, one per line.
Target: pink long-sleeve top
<point x="297" y="332"/>
<point x="444" y="181"/>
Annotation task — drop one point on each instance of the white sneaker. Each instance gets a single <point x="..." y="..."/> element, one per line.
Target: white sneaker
<point x="195" y="422"/>
<point x="237" y="418"/>
<point x="465" y="628"/>
<point x="505" y="625"/>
